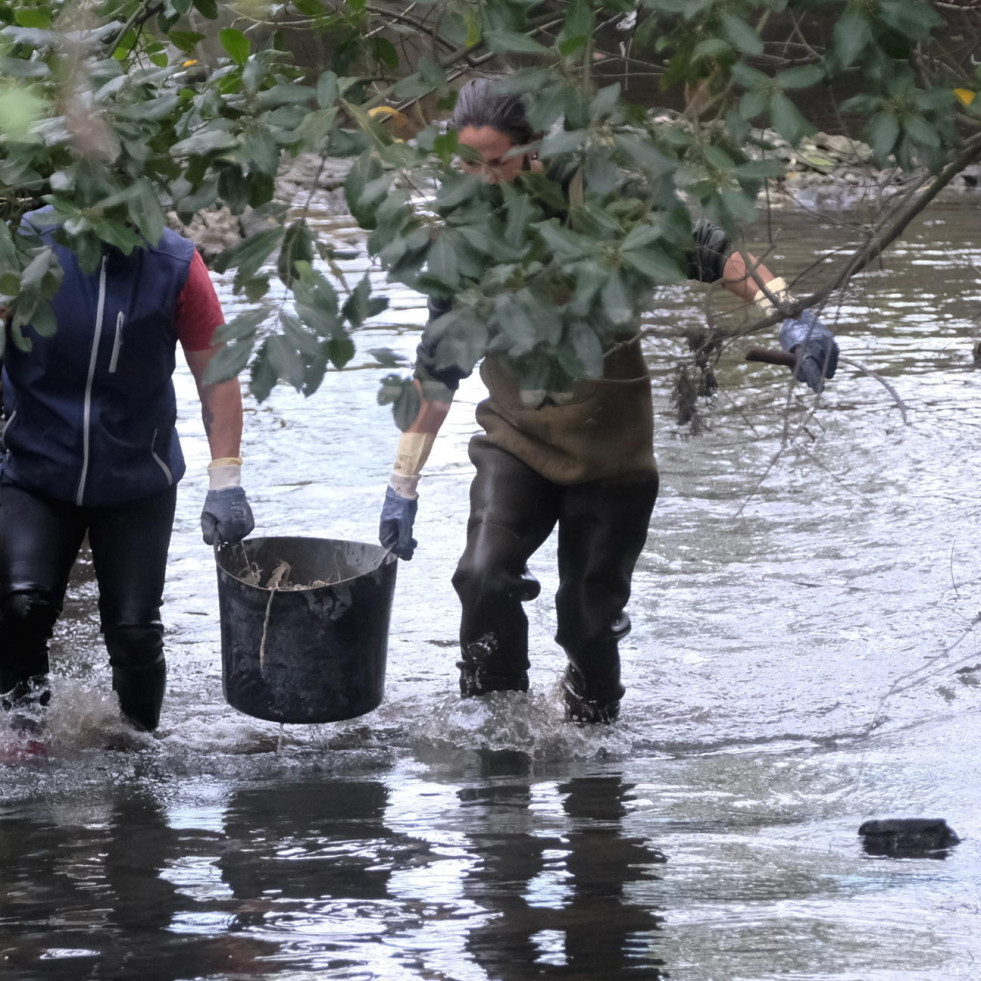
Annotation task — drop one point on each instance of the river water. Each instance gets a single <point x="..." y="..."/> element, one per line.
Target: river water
<point x="805" y="656"/>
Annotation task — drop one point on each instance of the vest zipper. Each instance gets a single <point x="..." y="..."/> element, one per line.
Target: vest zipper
<point x="87" y="404"/>
<point x="117" y="342"/>
<point x="156" y="456"/>
<point x="6" y="425"/>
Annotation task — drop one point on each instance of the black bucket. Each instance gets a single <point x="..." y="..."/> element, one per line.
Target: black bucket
<point x="310" y="654"/>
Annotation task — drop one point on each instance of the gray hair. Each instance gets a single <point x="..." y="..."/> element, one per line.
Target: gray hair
<point x="480" y="104"/>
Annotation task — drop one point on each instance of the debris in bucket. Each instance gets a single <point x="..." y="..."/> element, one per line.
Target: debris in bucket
<point x="279" y="579"/>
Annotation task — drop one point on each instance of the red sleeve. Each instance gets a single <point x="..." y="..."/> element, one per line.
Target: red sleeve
<point x="198" y="309"/>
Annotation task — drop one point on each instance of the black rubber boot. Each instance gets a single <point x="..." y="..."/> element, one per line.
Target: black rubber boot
<point x="26" y="624"/>
<point x="476" y="680"/>
<point x="139" y="673"/>
<point x="579" y="707"/>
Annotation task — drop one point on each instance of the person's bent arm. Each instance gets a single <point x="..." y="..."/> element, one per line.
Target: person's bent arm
<point x="804" y="336"/>
<point x="414" y="446"/>
<point x="226" y="516"/>
<point x="416" y="443"/>
<point x="221" y="407"/>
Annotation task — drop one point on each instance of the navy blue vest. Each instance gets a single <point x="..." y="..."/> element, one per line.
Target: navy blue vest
<point x="91" y="411"/>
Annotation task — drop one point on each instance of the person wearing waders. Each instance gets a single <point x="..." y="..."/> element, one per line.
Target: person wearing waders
<point x="582" y="460"/>
<point x="91" y="449"/>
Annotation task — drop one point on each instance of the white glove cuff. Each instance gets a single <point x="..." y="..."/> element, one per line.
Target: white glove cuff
<point x="225" y="472"/>
<point x="404" y="486"/>
<point x="776" y="288"/>
<point x="413" y="452"/>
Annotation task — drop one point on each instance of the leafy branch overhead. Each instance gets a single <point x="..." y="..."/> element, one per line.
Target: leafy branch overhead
<point x="125" y="115"/>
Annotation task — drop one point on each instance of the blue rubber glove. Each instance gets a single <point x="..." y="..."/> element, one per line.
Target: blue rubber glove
<point x="227" y="516"/>
<point x="395" y="528"/>
<point x="818" y="358"/>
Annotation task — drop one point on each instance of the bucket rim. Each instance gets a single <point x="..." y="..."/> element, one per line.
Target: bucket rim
<point x="386" y="558"/>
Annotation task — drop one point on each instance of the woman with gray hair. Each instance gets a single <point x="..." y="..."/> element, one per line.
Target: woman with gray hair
<point x="581" y="460"/>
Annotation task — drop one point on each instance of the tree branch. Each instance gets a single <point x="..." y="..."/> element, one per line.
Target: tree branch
<point x="881" y="236"/>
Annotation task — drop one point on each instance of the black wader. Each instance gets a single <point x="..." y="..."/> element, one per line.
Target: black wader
<point x="39" y="542"/>
<point x="602" y="530"/>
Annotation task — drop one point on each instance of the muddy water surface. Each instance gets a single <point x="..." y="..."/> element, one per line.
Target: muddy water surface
<point x="805" y="656"/>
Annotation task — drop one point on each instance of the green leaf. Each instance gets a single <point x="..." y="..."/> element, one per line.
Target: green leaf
<point x="616" y="299"/>
<point x="391" y="388"/>
<point x="43" y="318"/>
<point x="718" y="159"/>
<point x="600" y="172"/>
<point x="385" y="52"/>
<point x="406" y="406"/>
<point x="241" y="328"/>
<point x="207" y="140"/>
<point x="800" y="77"/>
<point x="457" y="189"/>
<point x="511" y="42"/>
<point x="297" y="247"/>
<point x="921" y="131"/>
<point x="251" y="253"/>
<point x="185" y="41"/>
<point x="525" y="320"/>
<point x="363" y="173"/>
<point x="232" y="188"/>
<point x="412" y="87"/>
<point x="464" y="338"/>
<point x="328" y="91"/>
<point x="148" y="213"/>
<point x="566" y="245"/>
<point x="38" y="268"/>
<point x="453" y="28"/>
<point x="236" y="44"/>
<point x="751" y="78"/>
<point x="442" y="262"/>
<point x="262" y="375"/>
<point x="361" y="306"/>
<point x="742" y="207"/>
<point x="712" y="49"/>
<point x="33" y="18"/>
<point x="883" y="135"/>
<point x="644" y="153"/>
<point x="605" y="101"/>
<point x="431" y="73"/>
<point x="754" y="103"/>
<point x="388" y="358"/>
<point x="655" y="264"/>
<point x="586" y="347"/>
<point x="852" y="34"/>
<point x="228" y="361"/>
<point x="521" y="211"/>
<point x="564" y="141"/>
<point x="208" y="8"/>
<point x="579" y="20"/>
<point x="262" y="150"/>
<point x="787" y="120"/>
<point x="261" y="189"/>
<point x="340" y="351"/>
<point x="741" y="35"/>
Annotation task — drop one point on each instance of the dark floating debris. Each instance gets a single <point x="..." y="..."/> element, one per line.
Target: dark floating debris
<point x="908" y="837"/>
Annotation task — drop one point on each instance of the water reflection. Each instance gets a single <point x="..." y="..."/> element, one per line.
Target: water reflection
<point x="559" y="891"/>
<point x="91" y="895"/>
